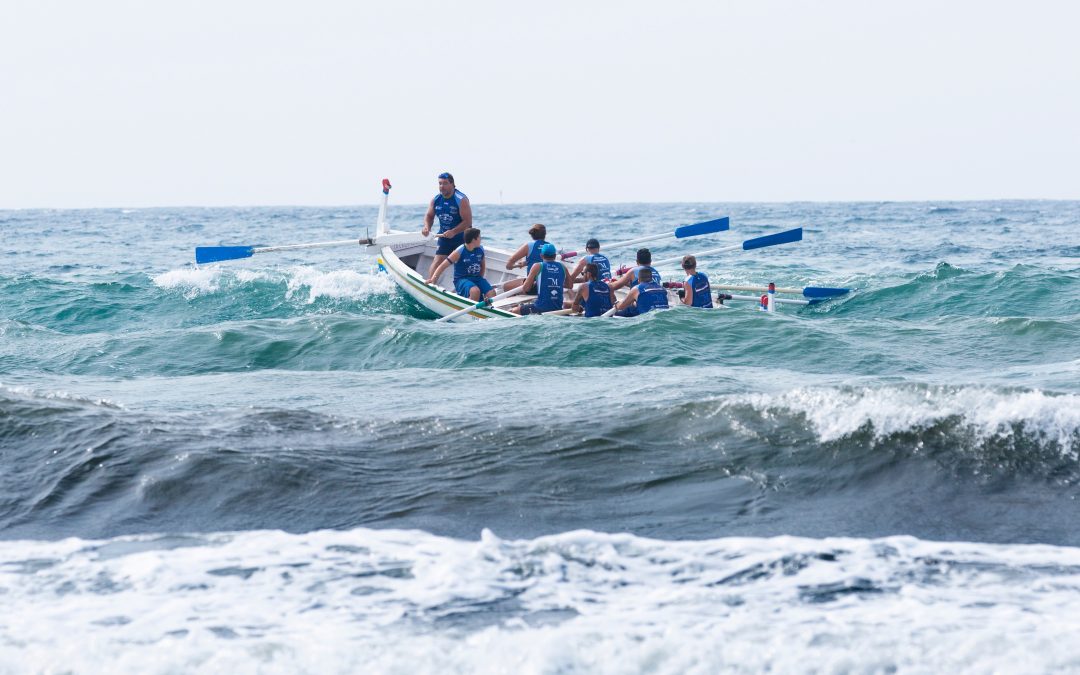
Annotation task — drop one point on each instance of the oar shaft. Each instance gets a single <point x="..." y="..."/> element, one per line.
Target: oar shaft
<point x="480" y="305"/>
<point x="712" y="251"/>
<point x="319" y="244"/>
<point x="759" y="289"/>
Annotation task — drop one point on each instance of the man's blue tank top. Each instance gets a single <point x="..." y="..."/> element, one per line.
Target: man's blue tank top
<point x="534" y="254"/>
<point x="448" y="211"/>
<point x="599" y="300"/>
<point x="549" y="286"/>
<point x="469" y="263"/>
<point x="601" y="261"/>
<point x="655" y="274"/>
<point x="702" y="291"/>
<point x="651" y="296"/>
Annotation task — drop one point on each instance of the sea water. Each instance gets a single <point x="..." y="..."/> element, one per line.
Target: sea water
<point x="283" y="464"/>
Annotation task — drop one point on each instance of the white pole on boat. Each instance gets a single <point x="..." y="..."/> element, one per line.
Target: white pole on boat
<point x="380" y="226"/>
<point x="770" y="298"/>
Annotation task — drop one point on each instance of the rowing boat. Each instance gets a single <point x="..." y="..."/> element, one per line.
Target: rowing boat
<point x="407" y="257"/>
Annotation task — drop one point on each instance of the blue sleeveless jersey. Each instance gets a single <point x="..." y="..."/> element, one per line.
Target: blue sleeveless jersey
<point x="655" y="274"/>
<point x="448" y="211"/>
<point x="599" y="300"/>
<point x="601" y="261"/>
<point x="651" y="296"/>
<point x="469" y="263"/>
<point x="702" y="291"/>
<point x="533" y="256"/>
<point x="549" y="286"/>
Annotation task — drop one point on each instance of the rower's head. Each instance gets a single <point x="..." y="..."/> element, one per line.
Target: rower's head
<point x="472" y="238"/>
<point x="548" y="252"/>
<point x="689" y="264"/>
<point x="538" y="232"/>
<point x="644" y="256"/>
<point x="446" y="184"/>
<point x="593" y="245"/>
<point x="644" y="275"/>
<point x="592" y="272"/>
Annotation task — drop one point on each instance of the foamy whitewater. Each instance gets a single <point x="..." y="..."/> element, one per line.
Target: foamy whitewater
<point x="282" y="464"/>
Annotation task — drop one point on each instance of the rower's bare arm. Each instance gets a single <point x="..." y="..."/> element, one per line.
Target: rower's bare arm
<point x="630" y="299"/>
<point x="429" y="218"/>
<point x="579" y="300"/>
<point x="522" y="251"/>
<point x="577" y="271"/>
<point x="454" y="256"/>
<point x="688" y="294"/>
<point x="529" y="280"/>
<point x="568" y="279"/>
<point x="622" y="281"/>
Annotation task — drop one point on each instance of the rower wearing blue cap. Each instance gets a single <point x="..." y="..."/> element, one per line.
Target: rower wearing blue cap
<point x="549" y="279"/>
<point x="454" y="212"/>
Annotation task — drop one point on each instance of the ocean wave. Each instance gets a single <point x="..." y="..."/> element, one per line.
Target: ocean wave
<point x="987" y="414"/>
<point x="578" y="601"/>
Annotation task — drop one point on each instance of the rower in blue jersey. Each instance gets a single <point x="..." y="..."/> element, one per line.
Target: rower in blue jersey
<point x="454" y="212"/>
<point x="696" y="289"/>
<point x="595" y="295"/>
<point x="593" y="256"/>
<point x="527" y="255"/>
<point x="632" y="278"/>
<point x="646" y="296"/>
<point x="469" y="268"/>
<point x="549" y="279"/>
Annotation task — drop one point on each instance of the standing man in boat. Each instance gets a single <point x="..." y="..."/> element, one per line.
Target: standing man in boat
<point x="644" y="262"/>
<point x="593" y="256"/>
<point x="469" y="268"/>
<point x="551" y="280"/>
<point x="646" y="296"/>
<point x="527" y="255"/>
<point x="696" y="289"/>
<point x="454" y="212"/>
<point x="595" y="295"/>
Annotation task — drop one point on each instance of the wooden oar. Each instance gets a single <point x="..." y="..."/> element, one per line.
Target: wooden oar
<point x="785" y="237"/>
<point x="481" y="305"/>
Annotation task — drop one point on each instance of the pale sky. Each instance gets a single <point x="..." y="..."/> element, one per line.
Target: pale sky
<point x="109" y="103"/>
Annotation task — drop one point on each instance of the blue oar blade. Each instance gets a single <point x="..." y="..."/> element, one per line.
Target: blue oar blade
<point x="773" y="239"/>
<point x="708" y="227"/>
<point x="209" y="254"/>
<point x="822" y="293"/>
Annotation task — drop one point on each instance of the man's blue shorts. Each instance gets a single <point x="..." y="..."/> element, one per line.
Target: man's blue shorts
<point x="462" y="286"/>
<point x="447" y="246"/>
<point x="531" y="308"/>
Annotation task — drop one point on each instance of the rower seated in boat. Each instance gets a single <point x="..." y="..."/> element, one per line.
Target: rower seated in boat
<point x="593" y="256"/>
<point x="644" y="297"/>
<point x="550" y="279"/>
<point x="696" y="289"/>
<point x="595" y="295"/>
<point x="527" y="255"/>
<point x="469" y="268"/>
<point x="632" y="277"/>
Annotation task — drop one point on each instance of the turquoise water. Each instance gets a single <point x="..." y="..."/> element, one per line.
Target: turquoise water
<point x="215" y="426"/>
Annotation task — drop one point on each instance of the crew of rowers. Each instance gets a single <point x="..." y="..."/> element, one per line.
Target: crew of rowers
<point x="549" y="279"/>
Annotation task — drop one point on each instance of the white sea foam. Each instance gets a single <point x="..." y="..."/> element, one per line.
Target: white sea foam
<point x="837" y="412"/>
<point x="391" y="601"/>
<point x="192" y="281"/>
<point x="337" y="284"/>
